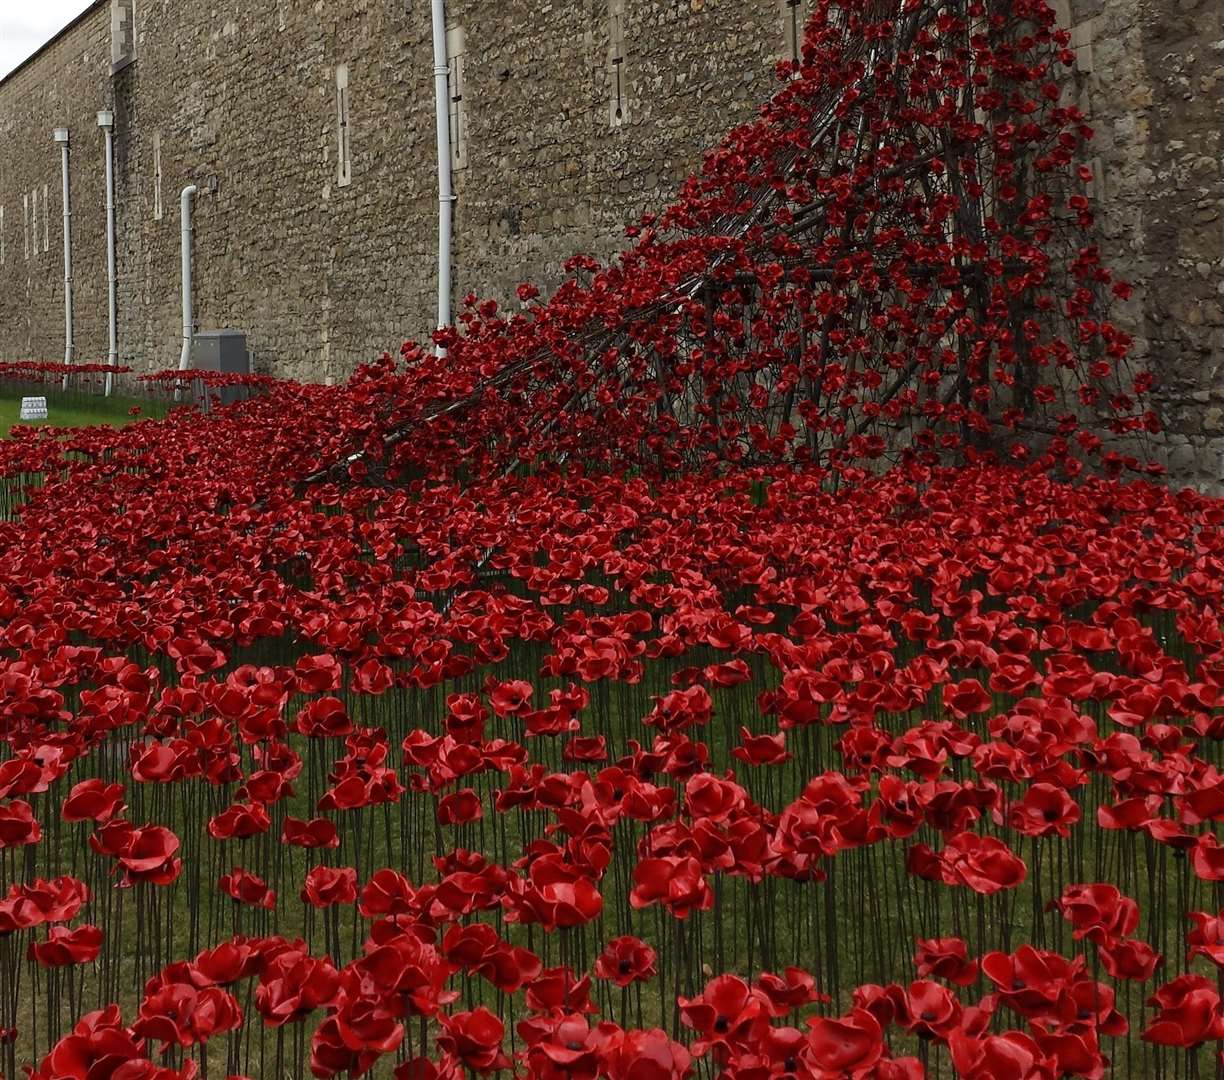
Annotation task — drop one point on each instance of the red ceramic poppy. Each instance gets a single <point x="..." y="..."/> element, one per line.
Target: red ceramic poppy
<point x="849" y="1044"/>
<point x="326" y="886"/>
<point x="315" y="833"/>
<point x="247" y="888"/>
<point x="474" y="1038"/>
<point x="626" y="960"/>
<point x="93" y="800"/>
<point x="946" y="958"/>
<point x="64" y="947"/>
<point x="1188" y="1013"/>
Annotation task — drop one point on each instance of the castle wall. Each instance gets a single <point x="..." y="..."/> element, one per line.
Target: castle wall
<point x="1150" y="76"/>
<point x="326" y="265"/>
<point x="241" y="99"/>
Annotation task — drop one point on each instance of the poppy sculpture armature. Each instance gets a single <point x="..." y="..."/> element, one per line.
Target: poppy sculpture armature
<point x="613" y="711"/>
<point x="895" y="259"/>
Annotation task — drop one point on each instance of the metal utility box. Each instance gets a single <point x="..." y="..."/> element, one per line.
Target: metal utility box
<point x="223" y="350"/>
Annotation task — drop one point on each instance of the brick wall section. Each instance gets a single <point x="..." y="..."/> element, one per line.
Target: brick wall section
<point x="323" y="277"/>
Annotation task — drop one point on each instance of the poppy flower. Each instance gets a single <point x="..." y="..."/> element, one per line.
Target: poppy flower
<point x="265" y="787"/>
<point x="420" y="1068"/>
<point x="331" y="1054"/>
<point x="1009" y="1056"/>
<point x="964" y="698"/>
<point x="227" y="962"/>
<point x="647" y="1055"/>
<point x="510" y="698"/>
<point x="39" y="901"/>
<point x="1044" y="810"/>
<point x="983" y="863"/>
<point x="793" y="989"/>
<point x="247" y="888"/>
<point x="181" y="1015"/>
<point x="148" y="855"/>
<point x="324" y="718"/>
<point x="460" y="807"/>
<point x="1130" y="959"/>
<point x="64" y="947"/>
<point x="681" y="709"/>
<point x="325" y="886"/>
<point x="563" y="1049"/>
<point x="555" y="991"/>
<point x="728" y="1013"/>
<point x="1130" y="814"/>
<point x="1207" y="937"/>
<point x="477" y="948"/>
<point x="851" y="1044"/>
<point x="239" y="822"/>
<point x="99" y="1041"/>
<point x="586" y="748"/>
<point x="626" y="960"/>
<point x="293" y="985"/>
<point x="945" y="958"/>
<point x="17" y="825"/>
<point x="366" y="1027"/>
<point x="1207" y="858"/>
<point x="318" y="674"/>
<point x="714" y="800"/>
<point x="1188" y="1013"/>
<point x="1030" y="981"/>
<point x="93" y="800"/>
<point x="474" y="1038"/>
<point x="677" y="883"/>
<point x="931" y="1010"/>
<point x="388" y="892"/>
<point x="1098" y="912"/>
<point x="761" y="749"/>
<point x="315" y="833"/>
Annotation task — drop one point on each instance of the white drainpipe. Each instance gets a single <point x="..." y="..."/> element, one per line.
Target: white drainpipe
<point x="446" y="197"/>
<point x="188" y="319"/>
<point x="106" y="121"/>
<point x="61" y="136"/>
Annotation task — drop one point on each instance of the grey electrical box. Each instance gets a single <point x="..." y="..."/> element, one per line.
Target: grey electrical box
<point x="223" y="350"/>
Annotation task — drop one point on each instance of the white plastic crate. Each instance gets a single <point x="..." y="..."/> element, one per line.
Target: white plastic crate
<point x="33" y="408"/>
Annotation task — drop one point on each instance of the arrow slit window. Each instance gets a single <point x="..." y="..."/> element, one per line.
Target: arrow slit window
<point x="157" y="177"/>
<point x="793" y="20"/>
<point x="618" y="77"/>
<point x="456" y="91"/>
<point x="344" y="156"/>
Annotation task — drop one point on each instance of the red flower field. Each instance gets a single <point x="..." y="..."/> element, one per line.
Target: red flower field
<point x="748" y="661"/>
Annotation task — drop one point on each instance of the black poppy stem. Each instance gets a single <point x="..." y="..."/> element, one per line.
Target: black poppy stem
<point x="676" y="973"/>
<point x="9" y="1019"/>
<point x="1219" y="1046"/>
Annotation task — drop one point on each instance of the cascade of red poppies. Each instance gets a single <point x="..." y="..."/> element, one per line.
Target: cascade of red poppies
<point x="584" y="720"/>
<point x="895" y="259"/>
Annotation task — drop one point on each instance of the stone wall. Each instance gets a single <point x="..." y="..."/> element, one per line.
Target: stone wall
<point x="1150" y="75"/>
<point x="240" y="98"/>
<point x="66" y="87"/>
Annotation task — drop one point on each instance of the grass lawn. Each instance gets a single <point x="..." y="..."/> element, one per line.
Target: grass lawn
<point x="77" y="410"/>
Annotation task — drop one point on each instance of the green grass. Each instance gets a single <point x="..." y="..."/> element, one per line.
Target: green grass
<point x="75" y="409"/>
